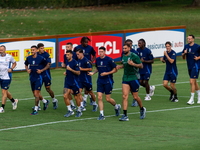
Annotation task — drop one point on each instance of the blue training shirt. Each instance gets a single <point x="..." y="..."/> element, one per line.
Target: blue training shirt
<point x="87" y="51"/>
<point x="105" y="65"/>
<point x="132" y="50"/>
<point x="146" y="54"/>
<point x="84" y="77"/>
<point x="192" y="51"/>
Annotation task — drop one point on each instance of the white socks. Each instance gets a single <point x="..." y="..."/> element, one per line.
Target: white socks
<point x="69" y="108"/>
<point x="116" y="106"/>
<point x="71" y="102"/>
<point x="192" y="96"/>
<point x="101" y="112"/>
<point x="85" y="97"/>
<point x="54" y="100"/>
<point x="44" y="100"/>
<point x="36" y="108"/>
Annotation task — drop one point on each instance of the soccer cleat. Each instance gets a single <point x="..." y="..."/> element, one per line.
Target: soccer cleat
<point x="124" y="118"/>
<point x="135" y="103"/>
<point x="142" y="113"/>
<point x="82" y="108"/>
<point x="73" y="107"/>
<point x="117" y="111"/>
<point x="95" y="108"/>
<point x="39" y="108"/>
<point x="84" y="103"/>
<point x="91" y="102"/>
<point x="78" y="114"/>
<point x="69" y="113"/>
<point x="147" y="98"/>
<point x="15" y="104"/>
<point x="190" y="102"/>
<point x="55" y="104"/>
<point x="46" y="105"/>
<point x="2" y="110"/>
<point x="174" y="99"/>
<point x="152" y="90"/>
<point x="34" y="112"/>
<point x="101" y="117"/>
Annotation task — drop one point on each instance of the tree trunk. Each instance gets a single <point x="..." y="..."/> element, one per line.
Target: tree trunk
<point x="196" y="3"/>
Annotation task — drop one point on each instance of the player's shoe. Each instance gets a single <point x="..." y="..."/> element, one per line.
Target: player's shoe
<point x="34" y="112"/>
<point x="2" y="110"/>
<point x="46" y="105"/>
<point x="190" y="102"/>
<point x="117" y="111"/>
<point x="152" y="90"/>
<point x="175" y="99"/>
<point x="39" y="108"/>
<point x="69" y="113"/>
<point x="142" y="113"/>
<point x="171" y="96"/>
<point x="55" y="104"/>
<point x="147" y="98"/>
<point x="124" y="118"/>
<point x="73" y="107"/>
<point x="83" y="108"/>
<point x="84" y="103"/>
<point x="95" y="108"/>
<point x="91" y="102"/>
<point x="135" y="103"/>
<point x="78" y="114"/>
<point x="101" y="117"/>
<point x="15" y="104"/>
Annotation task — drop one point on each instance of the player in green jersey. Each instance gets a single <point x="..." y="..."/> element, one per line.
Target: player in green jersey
<point x="131" y="63"/>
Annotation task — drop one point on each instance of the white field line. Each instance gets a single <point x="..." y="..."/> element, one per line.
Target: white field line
<point x="75" y="120"/>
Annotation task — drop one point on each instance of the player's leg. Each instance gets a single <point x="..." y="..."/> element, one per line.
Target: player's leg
<point x="100" y="102"/>
<point x="71" y="102"/>
<point x="93" y="97"/>
<point x="81" y="100"/>
<point x="147" y="87"/>
<point x="4" y="98"/>
<point x="198" y="91"/>
<point x="14" y="101"/>
<point x="78" y="97"/>
<point x="175" y="98"/>
<point x="66" y="95"/>
<point x="51" y="93"/>
<point x="165" y="84"/>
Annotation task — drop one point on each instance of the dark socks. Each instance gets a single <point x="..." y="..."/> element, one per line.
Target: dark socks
<point x="125" y="112"/>
<point x="142" y="108"/>
<point x="12" y="100"/>
<point x="175" y="95"/>
<point x="3" y="105"/>
<point x="171" y="91"/>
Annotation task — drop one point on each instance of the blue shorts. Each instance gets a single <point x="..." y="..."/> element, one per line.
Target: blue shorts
<point x="145" y="76"/>
<point x="193" y="73"/>
<point x="46" y="80"/>
<point x="105" y="88"/>
<point x="36" y="85"/>
<point x="5" y="84"/>
<point x="87" y="85"/>
<point x="170" y="77"/>
<point x="74" y="87"/>
<point x="134" y="85"/>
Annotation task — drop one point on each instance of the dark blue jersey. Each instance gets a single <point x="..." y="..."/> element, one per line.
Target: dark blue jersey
<point x="105" y="65"/>
<point x="192" y="51"/>
<point x="48" y="60"/>
<point x="87" y="51"/>
<point x="146" y="54"/>
<point x="75" y="56"/>
<point x="34" y="64"/>
<point x="84" y="77"/>
<point x="171" y="68"/>
<point x="132" y="50"/>
<point x="70" y="76"/>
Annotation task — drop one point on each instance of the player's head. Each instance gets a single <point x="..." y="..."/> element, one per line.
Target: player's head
<point x="141" y="43"/>
<point x="34" y="50"/>
<point x="40" y="47"/>
<point x="168" y="46"/>
<point x="2" y="49"/>
<point x="126" y="48"/>
<point x="84" y="41"/>
<point x="102" y="51"/>
<point x="69" y="54"/>
<point x="190" y="39"/>
<point x="69" y="46"/>
<point x="79" y="53"/>
<point x="129" y="41"/>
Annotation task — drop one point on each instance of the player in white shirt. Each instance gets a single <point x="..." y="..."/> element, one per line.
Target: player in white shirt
<point x="5" y="77"/>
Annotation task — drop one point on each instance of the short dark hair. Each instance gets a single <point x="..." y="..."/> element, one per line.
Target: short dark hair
<point x="168" y="43"/>
<point x="142" y="40"/>
<point x="128" y="40"/>
<point x="191" y="36"/>
<point x="79" y="50"/>
<point x="69" y="51"/>
<point x="127" y="45"/>
<point x="69" y="43"/>
<point x="84" y="38"/>
<point x="34" y="46"/>
<point x="103" y="48"/>
<point x="40" y="45"/>
<point x="3" y="46"/>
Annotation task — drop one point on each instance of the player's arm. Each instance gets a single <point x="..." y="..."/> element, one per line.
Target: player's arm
<point x="28" y="70"/>
<point x="140" y="65"/>
<point x="13" y="66"/>
<point x="76" y="72"/>
<point x="119" y="67"/>
<point x="63" y="65"/>
<point x="94" y="56"/>
<point x="46" y="67"/>
<point x="85" y="69"/>
<point x="147" y="61"/>
<point x="184" y="53"/>
<point x="168" y="58"/>
<point x="92" y="73"/>
<point x="110" y="72"/>
<point x="161" y="59"/>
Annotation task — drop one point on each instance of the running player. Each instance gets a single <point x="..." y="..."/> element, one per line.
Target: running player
<point x="34" y="66"/>
<point x="71" y="84"/>
<point x="131" y="63"/>
<point x="5" y="77"/>
<point x="106" y="67"/>
<point x="84" y="78"/>
<point x="171" y="71"/>
<point x="146" y="57"/>
<point x="191" y="51"/>
<point x="88" y="51"/>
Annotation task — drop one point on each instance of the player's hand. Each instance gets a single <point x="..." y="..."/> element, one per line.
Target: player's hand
<point x="68" y="68"/>
<point x="90" y="73"/>
<point x="39" y="71"/>
<point x="185" y="51"/>
<point x="118" y="67"/>
<point x="130" y="62"/>
<point x="196" y="58"/>
<point x="9" y="70"/>
<point x="90" y="62"/>
<point x="29" y="71"/>
<point x="64" y="73"/>
<point x="62" y="65"/>
<point x="142" y="60"/>
<point x="165" y="53"/>
<point x="161" y="58"/>
<point x="104" y="74"/>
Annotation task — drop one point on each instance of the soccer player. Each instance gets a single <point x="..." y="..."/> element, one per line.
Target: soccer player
<point x="171" y="71"/>
<point x="71" y="84"/>
<point x="46" y="75"/>
<point x="191" y="51"/>
<point x="131" y="63"/>
<point x="84" y="78"/>
<point x="106" y="67"/>
<point x="34" y="65"/>
<point x="5" y="77"/>
<point x="88" y="51"/>
<point x="146" y="57"/>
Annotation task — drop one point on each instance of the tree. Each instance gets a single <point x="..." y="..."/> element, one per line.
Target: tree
<point x="196" y="3"/>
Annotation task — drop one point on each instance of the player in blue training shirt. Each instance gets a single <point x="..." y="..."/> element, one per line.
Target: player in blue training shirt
<point x="106" y="67"/>
<point x="71" y="84"/>
<point x="171" y="71"/>
<point x="146" y="57"/>
<point x="88" y="51"/>
<point x="34" y="66"/>
<point x="84" y="79"/>
<point x="191" y="51"/>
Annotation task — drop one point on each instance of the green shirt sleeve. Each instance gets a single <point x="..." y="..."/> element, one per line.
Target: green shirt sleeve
<point x="136" y="59"/>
